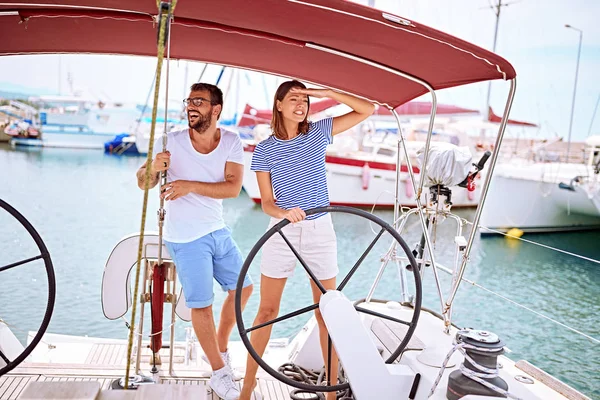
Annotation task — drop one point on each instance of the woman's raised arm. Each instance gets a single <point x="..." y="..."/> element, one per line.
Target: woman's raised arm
<point x="361" y="109"/>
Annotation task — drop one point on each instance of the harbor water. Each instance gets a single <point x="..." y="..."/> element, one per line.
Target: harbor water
<point x="82" y="202"/>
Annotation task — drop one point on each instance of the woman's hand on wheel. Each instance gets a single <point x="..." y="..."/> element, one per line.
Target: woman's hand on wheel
<point x="294" y="215"/>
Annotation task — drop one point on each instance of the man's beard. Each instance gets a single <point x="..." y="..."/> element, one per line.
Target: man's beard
<point x="202" y="123"/>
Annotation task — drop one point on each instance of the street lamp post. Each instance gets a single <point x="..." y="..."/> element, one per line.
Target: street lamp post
<point x="574" y="87"/>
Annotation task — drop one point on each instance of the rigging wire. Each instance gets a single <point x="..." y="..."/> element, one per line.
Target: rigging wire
<point x="137" y="127"/>
<point x="538" y="244"/>
<point x="593" y="339"/>
<point x="473" y="283"/>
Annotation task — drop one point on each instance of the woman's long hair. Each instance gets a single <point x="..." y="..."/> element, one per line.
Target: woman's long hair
<point x="277" y="119"/>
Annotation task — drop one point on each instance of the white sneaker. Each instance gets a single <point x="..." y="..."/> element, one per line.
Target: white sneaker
<point x="223" y="385"/>
<point x="224" y="356"/>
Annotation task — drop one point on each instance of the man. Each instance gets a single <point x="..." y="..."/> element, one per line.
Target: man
<point x="204" y="165"/>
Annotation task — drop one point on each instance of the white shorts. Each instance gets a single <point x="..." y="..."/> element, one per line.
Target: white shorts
<point x="314" y="240"/>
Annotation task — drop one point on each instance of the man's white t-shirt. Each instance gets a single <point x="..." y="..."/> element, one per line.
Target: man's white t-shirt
<point x="192" y="216"/>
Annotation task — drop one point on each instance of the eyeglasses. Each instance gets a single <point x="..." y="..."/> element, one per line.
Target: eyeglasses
<point x="196" y="101"/>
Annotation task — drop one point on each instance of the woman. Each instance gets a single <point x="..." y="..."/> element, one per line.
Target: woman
<point x="290" y="169"/>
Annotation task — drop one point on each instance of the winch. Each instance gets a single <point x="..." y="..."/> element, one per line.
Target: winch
<point x="478" y="374"/>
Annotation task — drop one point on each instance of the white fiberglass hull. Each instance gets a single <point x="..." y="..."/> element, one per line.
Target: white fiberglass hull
<point x="73" y="140"/>
<point x="528" y="197"/>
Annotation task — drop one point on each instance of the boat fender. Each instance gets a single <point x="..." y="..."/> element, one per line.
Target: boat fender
<point x="514" y="233"/>
<point x="408" y="189"/>
<point x="366" y="176"/>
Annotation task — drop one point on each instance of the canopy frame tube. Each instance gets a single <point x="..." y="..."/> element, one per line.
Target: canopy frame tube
<point x="447" y="311"/>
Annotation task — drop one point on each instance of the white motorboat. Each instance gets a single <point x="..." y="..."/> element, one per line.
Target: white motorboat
<point x="546" y="197"/>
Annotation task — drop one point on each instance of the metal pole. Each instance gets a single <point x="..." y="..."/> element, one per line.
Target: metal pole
<point x="486" y="185"/>
<point x="397" y="186"/>
<point x="574" y="88"/>
<point x="185" y="79"/>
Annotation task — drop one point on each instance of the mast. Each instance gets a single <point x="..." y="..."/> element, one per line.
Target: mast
<point x="574" y="88"/>
<point x="497" y="9"/>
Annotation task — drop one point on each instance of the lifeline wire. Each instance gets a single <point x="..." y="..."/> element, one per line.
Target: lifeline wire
<point x="538" y="244"/>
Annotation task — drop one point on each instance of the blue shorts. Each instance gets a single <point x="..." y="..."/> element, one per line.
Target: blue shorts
<point x="213" y="255"/>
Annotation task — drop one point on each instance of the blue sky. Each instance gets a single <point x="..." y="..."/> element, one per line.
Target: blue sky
<point x="531" y="36"/>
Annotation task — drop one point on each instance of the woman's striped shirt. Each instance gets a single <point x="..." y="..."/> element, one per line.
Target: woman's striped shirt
<point x="297" y="167"/>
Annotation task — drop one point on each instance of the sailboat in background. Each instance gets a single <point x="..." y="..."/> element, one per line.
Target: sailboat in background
<point x="538" y="194"/>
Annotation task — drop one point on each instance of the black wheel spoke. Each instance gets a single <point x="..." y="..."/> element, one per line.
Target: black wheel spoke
<point x="308" y="270"/>
<point x="4" y="358"/>
<point x="9" y="266"/>
<point x="376" y="314"/>
<point x="284" y="317"/>
<point x="360" y="260"/>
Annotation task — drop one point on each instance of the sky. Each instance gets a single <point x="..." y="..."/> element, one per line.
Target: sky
<point x="531" y="35"/>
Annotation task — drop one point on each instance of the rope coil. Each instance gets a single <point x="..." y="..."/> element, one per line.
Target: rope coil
<point x="311" y="377"/>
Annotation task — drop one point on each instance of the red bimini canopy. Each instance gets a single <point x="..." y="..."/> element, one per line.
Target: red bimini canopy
<point x="253" y="116"/>
<point x="331" y="43"/>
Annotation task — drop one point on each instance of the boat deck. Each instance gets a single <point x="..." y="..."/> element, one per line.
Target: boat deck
<point x="105" y="361"/>
<point x="63" y="358"/>
<point x="13" y="384"/>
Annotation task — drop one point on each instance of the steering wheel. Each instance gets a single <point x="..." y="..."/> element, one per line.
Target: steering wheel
<point x="45" y="255"/>
<point x="277" y="229"/>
